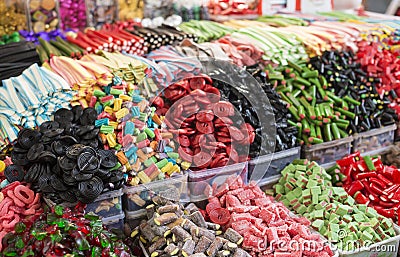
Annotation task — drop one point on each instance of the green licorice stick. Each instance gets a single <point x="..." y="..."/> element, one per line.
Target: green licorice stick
<point x="351" y="100"/>
<point x="345" y="106"/>
<point x="344" y="112"/>
<point x="295" y="66"/>
<point x="303" y="81"/>
<point x="335" y="131"/>
<point x="318" y="132"/>
<point x="315" y="140"/>
<point x="304" y="102"/>
<point x="296" y="92"/>
<point x="334" y="97"/>
<point x="307" y="95"/>
<point x="293" y="100"/>
<point x="312" y="130"/>
<point x="369" y="163"/>
<point x="347" y="122"/>
<point x="306" y="126"/>
<point x="342" y="125"/>
<point x="318" y="112"/>
<point x="301" y="111"/>
<point x="298" y="85"/>
<point x="328" y="111"/>
<point x="285" y="98"/>
<point x="293" y="111"/>
<point x="321" y="91"/>
<point x="316" y="122"/>
<point x="310" y="74"/>
<point x="311" y="113"/>
<point x="294" y="124"/>
<point x="323" y="82"/>
<point x="327" y="132"/>
<point x="312" y="90"/>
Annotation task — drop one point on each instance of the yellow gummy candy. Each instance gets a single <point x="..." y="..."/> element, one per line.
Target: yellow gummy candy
<point x="117" y="104"/>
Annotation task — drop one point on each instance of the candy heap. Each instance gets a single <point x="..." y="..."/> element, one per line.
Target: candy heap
<point x="371" y="183"/>
<point x="205" y="131"/>
<point x="62" y="160"/>
<point x="63" y="232"/>
<point x="36" y="94"/>
<point x="348" y="81"/>
<point x="392" y="155"/>
<point x="205" y="30"/>
<point x="18" y="203"/>
<point x="16" y="57"/>
<point x="57" y="47"/>
<point x="384" y="66"/>
<point x="267" y="227"/>
<point x="307" y="189"/>
<point x="110" y="40"/>
<point x="172" y="229"/>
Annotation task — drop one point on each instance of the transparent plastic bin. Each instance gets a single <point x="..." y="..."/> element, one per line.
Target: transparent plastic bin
<point x="271" y="164"/>
<point x="108" y="204"/>
<point x="386" y="248"/>
<point x="200" y="182"/>
<point x="138" y="197"/>
<point x="374" y="139"/>
<point x="133" y="219"/>
<point x="328" y="152"/>
<point x="115" y="222"/>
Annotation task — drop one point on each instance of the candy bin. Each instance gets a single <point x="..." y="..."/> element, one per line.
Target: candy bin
<point x="43" y="15"/>
<point x="12" y="17"/>
<point x="73" y="14"/>
<point x="130" y="9"/>
<point x="376" y="139"/>
<point x="138" y="197"/>
<point x="100" y="12"/>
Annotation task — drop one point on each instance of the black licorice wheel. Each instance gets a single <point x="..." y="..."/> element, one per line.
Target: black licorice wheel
<point x="90" y="189"/>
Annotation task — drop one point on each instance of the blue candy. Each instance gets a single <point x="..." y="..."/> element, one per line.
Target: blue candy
<point x="168" y="149"/>
<point x="129" y="128"/>
<point x="99" y="123"/>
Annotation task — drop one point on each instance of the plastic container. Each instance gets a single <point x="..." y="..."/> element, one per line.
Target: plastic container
<point x="99" y="12"/>
<point x="133" y="219"/>
<point x="43" y="15"/>
<point x="328" y="152"/>
<point x="271" y="165"/>
<point x="138" y="197"/>
<point x="108" y="204"/>
<point x="12" y="16"/>
<point x="374" y="139"/>
<point x="199" y="182"/>
<point x="115" y="222"/>
<point x="386" y="248"/>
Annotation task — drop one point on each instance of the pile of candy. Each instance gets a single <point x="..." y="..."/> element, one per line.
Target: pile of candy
<point x="63" y="232"/>
<point x="36" y="95"/>
<point x="267" y="227"/>
<point x="204" y="125"/>
<point x="172" y="229"/>
<point x="18" y="203"/>
<point x="62" y="159"/>
<point x="307" y="189"/>
<point x="371" y="183"/>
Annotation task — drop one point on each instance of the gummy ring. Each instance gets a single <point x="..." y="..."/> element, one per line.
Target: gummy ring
<point x="197" y="83"/>
<point x="205" y="127"/>
<point x="202" y="158"/>
<point x="205" y="116"/>
<point x="236" y="134"/>
<point x="223" y="109"/>
<point x="213" y="94"/>
<point x="25" y="194"/>
<point x="212" y="205"/>
<point x="184" y="155"/>
<point x="158" y="102"/>
<point x="184" y="141"/>
<point x="220" y="216"/>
